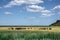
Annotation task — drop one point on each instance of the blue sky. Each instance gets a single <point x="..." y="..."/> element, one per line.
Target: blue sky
<point x="29" y="12"/>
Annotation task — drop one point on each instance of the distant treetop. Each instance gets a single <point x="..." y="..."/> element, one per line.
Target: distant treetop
<point x="57" y="23"/>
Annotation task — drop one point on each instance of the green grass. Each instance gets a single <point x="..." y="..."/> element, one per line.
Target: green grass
<point x="29" y="36"/>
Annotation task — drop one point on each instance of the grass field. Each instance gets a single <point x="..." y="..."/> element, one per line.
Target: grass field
<point x="29" y="36"/>
<point x="33" y="33"/>
<point x="45" y="29"/>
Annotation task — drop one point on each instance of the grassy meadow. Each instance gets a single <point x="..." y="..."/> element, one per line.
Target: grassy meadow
<point x="31" y="35"/>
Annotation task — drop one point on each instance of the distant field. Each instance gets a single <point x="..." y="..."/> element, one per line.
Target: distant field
<point x="36" y="29"/>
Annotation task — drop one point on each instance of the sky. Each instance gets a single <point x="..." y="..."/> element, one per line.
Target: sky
<point x="29" y="12"/>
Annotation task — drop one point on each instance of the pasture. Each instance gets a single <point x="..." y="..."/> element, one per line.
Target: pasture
<point x="30" y="33"/>
<point x="32" y="29"/>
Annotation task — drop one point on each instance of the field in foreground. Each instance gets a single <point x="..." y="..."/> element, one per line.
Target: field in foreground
<point x="29" y="36"/>
<point x="30" y="33"/>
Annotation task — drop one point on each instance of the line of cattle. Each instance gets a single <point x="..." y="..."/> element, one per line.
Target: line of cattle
<point x="31" y="28"/>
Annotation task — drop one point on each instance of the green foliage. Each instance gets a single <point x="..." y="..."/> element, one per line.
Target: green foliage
<point x="57" y="23"/>
<point x="6" y="36"/>
<point x="29" y="36"/>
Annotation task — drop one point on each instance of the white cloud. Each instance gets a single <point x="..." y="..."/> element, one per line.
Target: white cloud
<point x="34" y="1"/>
<point x="42" y="10"/>
<point x="45" y="11"/>
<point x="35" y="8"/>
<point x="14" y="2"/>
<point x="7" y="13"/>
<point x="46" y="15"/>
<point x="20" y="2"/>
<point x="56" y="7"/>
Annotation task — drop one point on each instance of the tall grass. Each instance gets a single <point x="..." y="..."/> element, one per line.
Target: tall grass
<point x="29" y="36"/>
